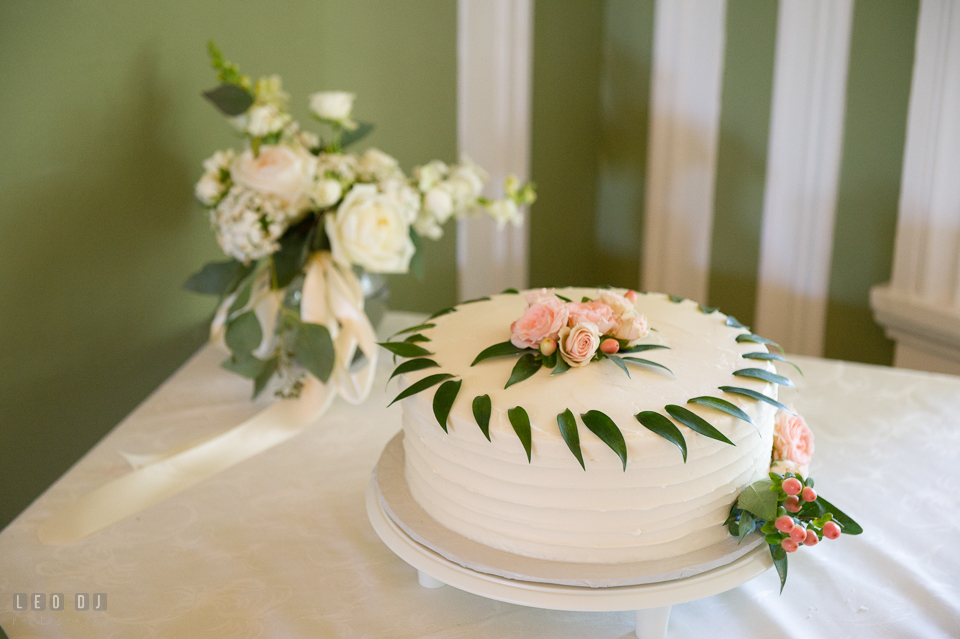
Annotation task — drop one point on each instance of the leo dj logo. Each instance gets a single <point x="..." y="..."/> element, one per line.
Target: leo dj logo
<point x="39" y="601"/>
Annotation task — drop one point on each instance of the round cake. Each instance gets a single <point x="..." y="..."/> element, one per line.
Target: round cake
<point x="643" y="496"/>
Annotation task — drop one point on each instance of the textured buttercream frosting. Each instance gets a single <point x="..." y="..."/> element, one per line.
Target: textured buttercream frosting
<point x="550" y="507"/>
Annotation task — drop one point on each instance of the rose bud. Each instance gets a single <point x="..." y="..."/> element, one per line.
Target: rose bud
<point x="609" y="346"/>
<point x="548" y="346"/>
<point x="631" y="295"/>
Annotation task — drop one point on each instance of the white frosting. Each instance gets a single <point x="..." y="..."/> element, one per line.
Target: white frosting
<point x="551" y="508"/>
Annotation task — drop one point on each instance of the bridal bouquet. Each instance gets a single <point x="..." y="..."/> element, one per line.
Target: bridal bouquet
<point x="300" y="218"/>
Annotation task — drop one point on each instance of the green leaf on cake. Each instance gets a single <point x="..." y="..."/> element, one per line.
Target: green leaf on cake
<point x="847" y="524"/>
<point x="696" y="423"/>
<point x="413" y="329"/>
<point x="657" y="423"/>
<point x="646" y="362"/>
<point x="417" y="337"/>
<point x="266" y="372"/>
<point x="568" y="428"/>
<point x="481" y="412"/>
<point x="230" y="99"/>
<point x="443" y="401"/>
<point x="442" y="311"/>
<point x="746" y="392"/>
<point x="764" y="375"/>
<point x="218" y="278"/>
<point x="639" y="348"/>
<point x="313" y="349"/>
<point x="619" y="362"/>
<point x="243" y="333"/>
<point x="352" y="137"/>
<point x="412" y="365"/>
<point x="473" y="301"/>
<point x="734" y="323"/>
<point x="759" y="500"/>
<point x="405" y="349"/>
<point x="565" y="299"/>
<point x="722" y="405"/>
<point x="420" y="385"/>
<point x="745" y="526"/>
<point x="561" y="367"/>
<point x="509" y="291"/>
<point x="780" y="561"/>
<point x="675" y="299"/>
<point x="756" y="339"/>
<point x="771" y="356"/>
<point x="525" y="367"/>
<point x="498" y="350"/>
<point x="521" y="426"/>
<point x="706" y="310"/>
<point x="603" y="427"/>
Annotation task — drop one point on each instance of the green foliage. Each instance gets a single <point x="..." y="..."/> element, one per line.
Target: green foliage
<point x="706" y="310"/>
<point x="412" y="365"/>
<point x="568" y="429"/>
<point x="243" y="333"/>
<point x="646" y="362"/>
<point x="443" y="311"/>
<point x="482" y="409"/>
<point x="405" y="349"/>
<point x="521" y="426"/>
<point x="227" y="72"/>
<point x="413" y="329"/>
<point x="420" y="385"/>
<point x="660" y="425"/>
<point x="696" y="423"/>
<point x="244" y="365"/>
<point x="510" y="291"/>
<point x="288" y="261"/>
<point x="746" y="392"/>
<point x="619" y="362"/>
<point x="745" y="526"/>
<point x="758" y="499"/>
<point x="603" y="427"/>
<point x="722" y="405"/>
<point x="639" y="348"/>
<point x="417" y="269"/>
<point x="771" y="356"/>
<point x="525" y="367"/>
<point x="266" y="372"/>
<point x="443" y="401"/>
<point x="780" y="561"/>
<point x="756" y="339"/>
<point x="313" y="349"/>
<point x="565" y="299"/>
<point x="498" y="350"/>
<point x="352" y="137"/>
<point x="218" y="278"/>
<point x="561" y="367"/>
<point x="474" y="300"/>
<point x="230" y="99"/>
<point x="764" y="375"/>
<point x="675" y="299"/>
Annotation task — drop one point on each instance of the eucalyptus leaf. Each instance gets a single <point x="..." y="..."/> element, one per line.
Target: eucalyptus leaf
<point x="746" y="392"/>
<point x="412" y="365"/>
<point x="780" y="561"/>
<point x="481" y="412"/>
<point x="603" y="427"/>
<point x="243" y="333"/>
<point x="443" y="401"/>
<point x="525" y="367"/>
<point x="639" y="348"/>
<point x="442" y="311"/>
<point x="722" y="405"/>
<point x="759" y="500"/>
<point x="756" y="339"/>
<point x="746" y="525"/>
<point x="420" y="385"/>
<point x="313" y="349"/>
<point x="243" y="297"/>
<point x="521" y="426"/>
<point x="646" y="362"/>
<point x="289" y="259"/>
<point x="619" y="362"/>
<point x="568" y="428"/>
<point x="498" y="350"/>
<point x="405" y="349"/>
<point x="764" y="375"/>
<point x="696" y="423"/>
<point x="416" y="262"/>
<point x="352" y="137"/>
<point x="266" y="372"/>
<point x="848" y="525"/>
<point x="657" y="423"/>
<point x="218" y="278"/>
<point x="561" y="367"/>
<point x="244" y="365"/>
<point x="413" y="329"/>
<point x="771" y="356"/>
<point x="230" y="99"/>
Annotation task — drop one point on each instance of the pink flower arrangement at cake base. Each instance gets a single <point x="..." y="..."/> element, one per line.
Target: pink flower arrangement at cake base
<point x="792" y="444"/>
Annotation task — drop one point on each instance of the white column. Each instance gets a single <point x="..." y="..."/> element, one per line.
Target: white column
<point x="494" y="63"/>
<point x="920" y="308"/>
<point x="682" y="155"/>
<point x="803" y="171"/>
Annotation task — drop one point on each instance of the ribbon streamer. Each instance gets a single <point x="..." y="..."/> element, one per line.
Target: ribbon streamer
<point x="331" y="296"/>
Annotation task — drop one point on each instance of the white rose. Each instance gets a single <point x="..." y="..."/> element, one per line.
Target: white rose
<point x="406" y="197"/>
<point x="326" y="192"/>
<point x="504" y="211"/>
<point x="426" y="226"/>
<point x="335" y="106"/>
<point x="278" y="169"/>
<point x="467" y="180"/>
<point x="369" y="230"/>
<point x="430" y="174"/>
<point x="209" y="189"/>
<point x="377" y="165"/>
<point x="439" y="203"/>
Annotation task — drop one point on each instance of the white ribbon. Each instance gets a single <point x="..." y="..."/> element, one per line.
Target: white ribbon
<point x="332" y="297"/>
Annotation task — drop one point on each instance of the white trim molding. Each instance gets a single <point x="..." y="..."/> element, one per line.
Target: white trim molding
<point x="494" y="84"/>
<point x="688" y="50"/>
<point x="920" y="308"/>
<point x="803" y="171"/>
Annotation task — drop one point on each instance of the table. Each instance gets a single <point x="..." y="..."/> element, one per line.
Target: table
<point x="280" y="545"/>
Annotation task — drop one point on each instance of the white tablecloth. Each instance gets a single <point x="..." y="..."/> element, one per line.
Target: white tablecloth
<point x="280" y="545"/>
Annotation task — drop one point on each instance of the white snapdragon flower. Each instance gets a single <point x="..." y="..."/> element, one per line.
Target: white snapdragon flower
<point x="334" y="106"/>
<point x="269" y="91"/>
<point x="369" y="229"/>
<point x="279" y="170"/>
<point x="430" y="175"/>
<point x="504" y="211"/>
<point x="248" y="223"/>
<point x="377" y="166"/>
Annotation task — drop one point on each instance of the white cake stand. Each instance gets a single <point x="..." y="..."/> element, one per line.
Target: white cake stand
<point x="651" y="601"/>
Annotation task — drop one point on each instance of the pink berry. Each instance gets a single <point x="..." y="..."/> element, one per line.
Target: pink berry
<point x="792" y="504"/>
<point x="792" y="486"/>
<point x="785" y="524"/>
<point x="809" y="494"/>
<point x="548" y="346"/>
<point x="812" y="539"/>
<point x="789" y="545"/>
<point x="798" y="534"/>
<point x="631" y="295"/>
<point x="831" y="530"/>
<point x="609" y="346"/>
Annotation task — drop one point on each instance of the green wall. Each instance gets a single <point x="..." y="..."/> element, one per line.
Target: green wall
<point x="103" y="114"/>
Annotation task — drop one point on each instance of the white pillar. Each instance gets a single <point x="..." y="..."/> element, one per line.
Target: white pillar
<point x="920" y="307"/>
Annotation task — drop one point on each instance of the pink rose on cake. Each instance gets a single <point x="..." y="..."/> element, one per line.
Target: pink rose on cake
<point x="594" y="312"/>
<point x="632" y="327"/>
<point x="579" y="344"/>
<point x="543" y="318"/>
<point x="792" y="444"/>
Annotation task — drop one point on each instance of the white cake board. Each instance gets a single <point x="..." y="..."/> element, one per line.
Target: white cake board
<point x="447" y="560"/>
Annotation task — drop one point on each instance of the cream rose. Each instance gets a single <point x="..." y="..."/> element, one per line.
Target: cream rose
<point x="335" y="106"/>
<point x="617" y="302"/>
<point x="579" y="344"/>
<point x="278" y="169"/>
<point x="369" y="230"/>
<point x="792" y="441"/>
<point x="632" y="327"/>
<point x="539" y="321"/>
<point x="326" y="192"/>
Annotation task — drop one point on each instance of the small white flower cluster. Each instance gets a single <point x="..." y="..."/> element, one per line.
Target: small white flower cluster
<point x="248" y="223"/>
<point x="268" y="115"/>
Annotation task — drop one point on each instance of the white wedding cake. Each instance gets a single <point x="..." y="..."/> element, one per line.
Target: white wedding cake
<point x="660" y="501"/>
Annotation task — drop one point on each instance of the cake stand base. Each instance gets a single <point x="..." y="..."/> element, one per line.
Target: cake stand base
<point x="651" y="601"/>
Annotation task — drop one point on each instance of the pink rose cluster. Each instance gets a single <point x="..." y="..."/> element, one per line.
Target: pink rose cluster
<point x="792" y="444"/>
<point x="579" y="329"/>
